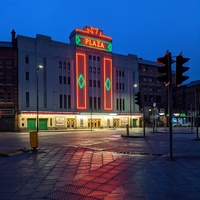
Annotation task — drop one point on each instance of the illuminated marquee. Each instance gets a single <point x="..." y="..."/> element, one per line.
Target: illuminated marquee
<point x="93" y="38"/>
<point x="81" y="87"/>
<point x="107" y="80"/>
<point x="93" y="43"/>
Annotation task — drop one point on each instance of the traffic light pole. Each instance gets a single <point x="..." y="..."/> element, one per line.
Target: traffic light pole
<point x="170" y="105"/>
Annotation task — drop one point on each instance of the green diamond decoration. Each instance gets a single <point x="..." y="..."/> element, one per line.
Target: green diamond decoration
<point x="107" y="84"/>
<point x="81" y="81"/>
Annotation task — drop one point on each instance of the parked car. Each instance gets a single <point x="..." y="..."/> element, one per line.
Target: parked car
<point x="188" y="124"/>
<point x="177" y="124"/>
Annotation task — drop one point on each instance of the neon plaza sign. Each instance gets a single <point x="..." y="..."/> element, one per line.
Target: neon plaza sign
<point x="104" y="43"/>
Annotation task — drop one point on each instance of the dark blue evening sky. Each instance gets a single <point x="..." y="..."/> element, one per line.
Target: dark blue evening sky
<point x="146" y="28"/>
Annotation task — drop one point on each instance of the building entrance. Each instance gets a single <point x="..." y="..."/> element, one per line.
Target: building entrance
<point x="70" y="123"/>
<point x="116" y="123"/>
<point x="96" y="123"/>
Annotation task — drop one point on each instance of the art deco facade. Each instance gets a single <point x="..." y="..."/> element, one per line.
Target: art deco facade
<point x="81" y="83"/>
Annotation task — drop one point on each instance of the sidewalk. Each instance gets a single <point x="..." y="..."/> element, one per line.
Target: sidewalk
<point x="81" y="173"/>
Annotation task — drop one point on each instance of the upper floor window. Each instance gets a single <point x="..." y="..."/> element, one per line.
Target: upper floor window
<point x="9" y="63"/>
<point x="27" y="76"/>
<point x="1" y="97"/>
<point x="1" y="63"/>
<point x="9" y="97"/>
<point x="26" y="59"/>
<point x="60" y="64"/>
<point x="64" y="65"/>
<point x="9" y="79"/>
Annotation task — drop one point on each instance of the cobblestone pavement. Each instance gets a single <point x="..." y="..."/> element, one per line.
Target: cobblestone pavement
<point x="105" y="166"/>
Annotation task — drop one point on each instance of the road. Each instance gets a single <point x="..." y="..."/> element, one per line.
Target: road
<point x="101" y="139"/>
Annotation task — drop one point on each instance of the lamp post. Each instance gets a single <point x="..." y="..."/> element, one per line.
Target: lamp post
<point x="37" y="119"/>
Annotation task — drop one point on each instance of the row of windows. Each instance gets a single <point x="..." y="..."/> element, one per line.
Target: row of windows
<point x="151" y="89"/>
<point x="61" y="64"/>
<point x="120" y="73"/>
<point x="120" y="104"/>
<point x="6" y="63"/>
<point x="64" y="65"/>
<point x="95" y="83"/>
<point x="152" y="98"/>
<point x="90" y="57"/>
<point x="65" y="101"/>
<point x="95" y="70"/>
<point x="95" y="103"/>
<point x="150" y="79"/>
<point x="6" y="97"/>
<point x="64" y="80"/>
<point x="119" y="86"/>
<point x="6" y="79"/>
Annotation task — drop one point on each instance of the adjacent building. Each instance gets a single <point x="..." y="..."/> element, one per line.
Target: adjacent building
<point x="8" y="85"/>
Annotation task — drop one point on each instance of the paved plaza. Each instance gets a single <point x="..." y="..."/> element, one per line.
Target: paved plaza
<point x="110" y="168"/>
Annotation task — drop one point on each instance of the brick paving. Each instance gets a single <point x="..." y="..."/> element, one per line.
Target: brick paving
<point x="64" y="172"/>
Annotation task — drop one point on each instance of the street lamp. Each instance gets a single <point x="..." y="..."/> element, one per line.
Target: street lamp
<point x="37" y="119"/>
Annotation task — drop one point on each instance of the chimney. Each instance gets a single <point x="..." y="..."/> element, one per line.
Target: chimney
<point x="13" y="36"/>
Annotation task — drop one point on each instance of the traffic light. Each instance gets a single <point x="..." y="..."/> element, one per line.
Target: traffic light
<point x="180" y="69"/>
<point x="165" y="69"/>
<point x="138" y="99"/>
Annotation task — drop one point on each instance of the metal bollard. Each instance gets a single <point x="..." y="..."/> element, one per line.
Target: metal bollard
<point x="34" y="139"/>
<point x="127" y="129"/>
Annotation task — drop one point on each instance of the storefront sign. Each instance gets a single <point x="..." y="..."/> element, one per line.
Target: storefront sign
<point x="93" y="43"/>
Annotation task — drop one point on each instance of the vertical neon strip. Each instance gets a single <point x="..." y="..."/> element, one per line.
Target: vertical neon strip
<point x="107" y="81"/>
<point x="81" y="83"/>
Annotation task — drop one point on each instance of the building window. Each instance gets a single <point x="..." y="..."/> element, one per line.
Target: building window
<point x="1" y="63"/>
<point x="26" y="59"/>
<point x="90" y="102"/>
<point x="69" y="102"/>
<point x="68" y="65"/>
<point x="94" y="82"/>
<point x="122" y="73"/>
<point x="99" y="103"/>
<point x="65" y="101"/>
<point x="99" y="84"/>
<point x="60" y="79"/>
<point x="60" y="64"/>
<point x="90" y="57"/>
<point x="90" y="69"/>
<point x="98" y="70"/>
<point x="8" y="63"/>
<point x="27" y="99"/>
<point x="90" y="83"/>
<point x="64" y="65"/>
<point x="123" y="104"/>
<point x="117" y="103"/>
<point x="68" y="80"/>
<point x="98" y="58"/>
<point x="95" y="103"/>
<point x="151" y="98"/>
<point x="94" y="57"/>
<point x="120" y="104"/>
<point x="64" y="79"/>
<point x="9" y="79"/>
<point x="27" y="76"/>
<point x="116" y="86"/>
<point x="9" y="97"/>
<point x="1" y="79"/>
<point x="94" y="69"/>
<point x="1" y="97"/>
<point x="60" y="100"/>
<point x="122" y="86"/>
<point x="116" y="72"/>
<point x="119" y="73"/>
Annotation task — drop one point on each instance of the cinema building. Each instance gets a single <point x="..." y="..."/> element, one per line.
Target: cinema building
<point x="80" y="85"/>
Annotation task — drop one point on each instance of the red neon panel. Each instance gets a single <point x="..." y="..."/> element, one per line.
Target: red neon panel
<point x="107" y="81"/>
<point x="93" y="31"/>
<point x="81" y="86"/>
